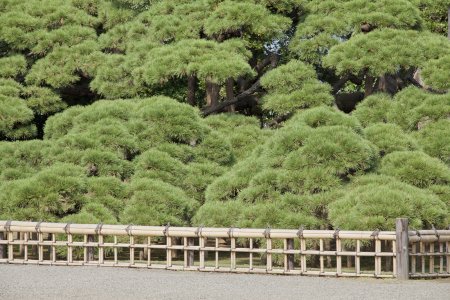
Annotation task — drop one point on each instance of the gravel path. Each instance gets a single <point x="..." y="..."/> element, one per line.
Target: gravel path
<point x="46" y="282"/>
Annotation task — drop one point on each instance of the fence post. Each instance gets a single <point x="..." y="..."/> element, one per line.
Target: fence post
<point x="402" y="243"/>
<point x="2" y="247"/>
<point x="190" y="253"/>
<point x="90" y="250"/>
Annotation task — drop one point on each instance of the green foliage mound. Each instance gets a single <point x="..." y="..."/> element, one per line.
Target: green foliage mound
<point x="373" y="109"/>
<point x="352" y="57"/>
<point x="435" y="140"/>
<point x="155" y="202"/>
<point x="314" y="153"/>
<point x="413" y="108"/>
<point x="330" y="22"/>
<point x="143" y="161"/>
<point x="48" y="195"/>
<point x="416" y="168"/>
<point x="292" y="87"/>
<point x="376" y="201"/>
<point x="435" y="73"/>
<point x="389" y="138"/>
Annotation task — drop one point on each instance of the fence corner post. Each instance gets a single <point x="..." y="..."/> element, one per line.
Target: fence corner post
<point x="402" y="244"/>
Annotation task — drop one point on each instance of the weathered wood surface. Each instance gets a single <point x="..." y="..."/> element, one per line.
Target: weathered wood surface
<point x="401" y="226"/>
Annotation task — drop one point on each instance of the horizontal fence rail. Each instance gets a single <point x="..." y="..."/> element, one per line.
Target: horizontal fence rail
<point x="243" y="250"/>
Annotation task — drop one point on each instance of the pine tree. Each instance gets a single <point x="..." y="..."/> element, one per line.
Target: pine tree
<point x="225" y="112"/>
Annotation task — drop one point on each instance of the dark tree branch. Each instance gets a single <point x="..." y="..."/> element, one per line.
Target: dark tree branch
<point x="346" y="102"/>
<point x="356" y="79"/>
<point x="369" y="86"/>
<point x="275" y="123"/>
<point x="340" y="83"/>
<point x="239" y="98"/>
<point x="270" y="61"/>
<point x="192" y="87"/>
<point x="418" y="84"/>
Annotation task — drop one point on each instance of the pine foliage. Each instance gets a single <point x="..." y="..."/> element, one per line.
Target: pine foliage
<point x="321" y="113"/>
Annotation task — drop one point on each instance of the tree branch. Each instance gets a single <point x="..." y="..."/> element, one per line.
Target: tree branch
<point x="270" y="61"/>
<point x="419" y="84"/>
<point x="242" y="96"/>
<point x="340" y="83"/>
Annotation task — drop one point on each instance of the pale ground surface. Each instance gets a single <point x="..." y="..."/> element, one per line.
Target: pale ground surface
<point x="52" y="282"/>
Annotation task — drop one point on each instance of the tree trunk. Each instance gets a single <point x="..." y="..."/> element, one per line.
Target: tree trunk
<point x="192" y="87"/>
<point x="212" y="93"/>
<point x="369" y="85"/>
<point x="387" y="84"/>
<point x="230" y="93"/>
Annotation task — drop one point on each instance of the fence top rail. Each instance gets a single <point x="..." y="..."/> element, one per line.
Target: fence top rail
<point x="429" y="232"/>
<point x="137" y="230"/>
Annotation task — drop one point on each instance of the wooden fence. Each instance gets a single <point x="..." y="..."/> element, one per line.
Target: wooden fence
<point x="399" y="254"/>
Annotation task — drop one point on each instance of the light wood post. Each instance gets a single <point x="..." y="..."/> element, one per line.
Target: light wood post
<point x="233" y="254"/>
<point x="303" y="256"/>
<point x="69" y="248"/>
<point x="21" y="247"/>
<point x="101" y="255"/>
<point x="10" y="246"/>
<point x="115" y="251"/>
<point x="431" y="268"/>
<point x="132" y="249"/>
<point x="338" y="256"/>
<point x="358" y="258"/>
<point x="402" y="243"/>
<point x="202" y="244"/>
<point x="25" y="248"/>
<point x="53" y="248"/>
<point x="41" y="247"/>
<point x="321" y="258"/>
<point x="422" y="257"/>
<point x="448" y="257"/>
<point x="250" y="266"/>
<point x="269" y="254"/>
<point x="190" y="253"/>
<point x="168" y="252"/>
<point x="90" y="250"/>
<point x="217" y="254"/>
